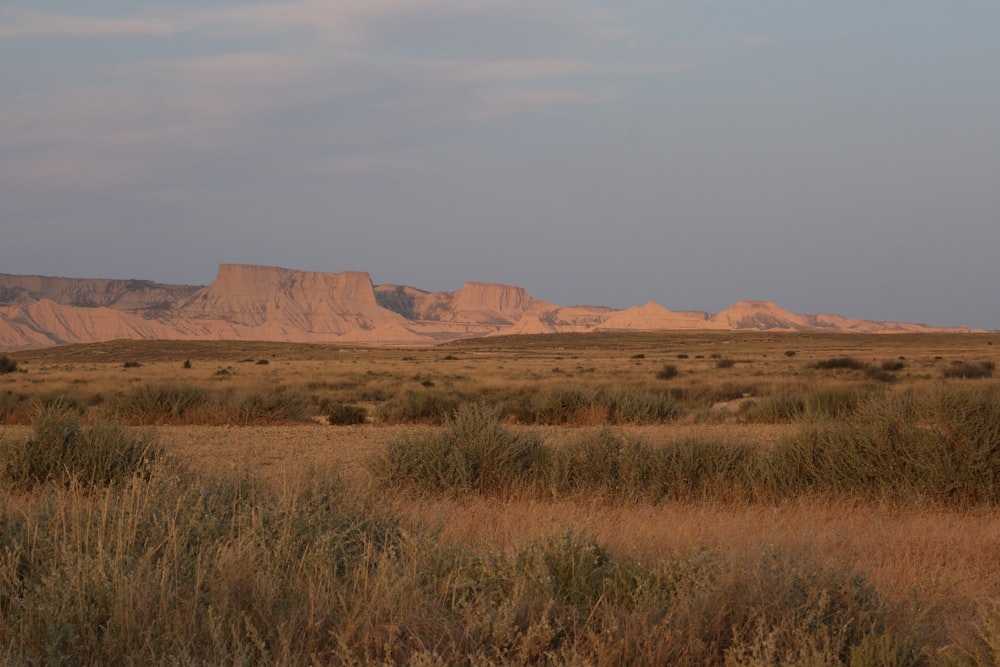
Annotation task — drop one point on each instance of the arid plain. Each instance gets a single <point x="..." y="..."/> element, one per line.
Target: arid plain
<point x="761" y="569"/>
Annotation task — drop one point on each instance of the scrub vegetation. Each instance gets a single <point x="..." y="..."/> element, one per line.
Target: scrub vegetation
<point x="523" y="500"/>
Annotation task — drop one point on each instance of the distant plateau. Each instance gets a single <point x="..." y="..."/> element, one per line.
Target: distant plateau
<point x="247" y="302"/>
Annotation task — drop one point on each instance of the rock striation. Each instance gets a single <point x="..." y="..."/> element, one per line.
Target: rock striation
<point x="247" y="302"/>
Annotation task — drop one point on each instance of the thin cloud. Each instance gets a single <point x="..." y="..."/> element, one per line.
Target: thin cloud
<point x="331" y="60"/>
<point x="494" y="104"/>
<point x="350" y="20"/>
<point x="25" y="23"/>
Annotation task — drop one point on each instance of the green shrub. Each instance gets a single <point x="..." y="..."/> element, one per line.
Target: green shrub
<point x="474" y="452"/>
<point x="725" y="363"/>
<point x="63" y="451"/>
<point x="892" y="365"/>
<point x="342" y="414"/>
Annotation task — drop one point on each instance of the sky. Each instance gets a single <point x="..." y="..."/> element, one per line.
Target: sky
<point x="833" y="157"/>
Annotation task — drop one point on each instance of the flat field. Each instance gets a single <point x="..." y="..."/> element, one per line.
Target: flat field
<point x="657" y="498"/>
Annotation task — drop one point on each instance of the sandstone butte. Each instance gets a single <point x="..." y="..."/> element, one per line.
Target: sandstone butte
<point x="275" y="304"/>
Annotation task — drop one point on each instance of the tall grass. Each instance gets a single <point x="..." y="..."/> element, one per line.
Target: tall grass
<point x="159" y="566"/>
<point x="181" y="570"/>
<point x="607" y="464"/>
<point x="421" y="406"/>
<point x="474" y="452"/>
<point x="157" y="403"/>
<point x="800" y="403"/>
<point x="64" y="451"/>
<point x="187" y="404"/>
<point x="942" y="445"/>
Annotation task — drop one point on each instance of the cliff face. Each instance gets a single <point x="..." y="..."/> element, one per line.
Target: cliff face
<point x="270" y="303"/>
<point x="91" y="293"/>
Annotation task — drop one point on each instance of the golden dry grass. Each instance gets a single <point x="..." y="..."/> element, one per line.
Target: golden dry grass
<point x="936" y="567"/>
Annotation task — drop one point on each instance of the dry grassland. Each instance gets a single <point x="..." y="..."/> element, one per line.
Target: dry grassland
<point x="932" y="563"/>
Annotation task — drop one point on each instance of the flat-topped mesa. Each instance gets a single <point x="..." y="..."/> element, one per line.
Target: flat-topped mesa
<point x="250" y="295"/>
<point x="500" y="303"/>
<point x="653" y="316"/>
<point x="245" y="280"/>
<point x="273" y="303"/>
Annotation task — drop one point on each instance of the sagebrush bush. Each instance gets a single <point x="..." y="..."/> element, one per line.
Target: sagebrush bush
<point x="7" y="365"/>
<point x="942" y="444"/>
<point x="781" y="407"/>
<point x="473" y="452"/>
<point x="974" y="370"/>
<point x="157" y="403"/>
<point x="182" y="570"/>
<point x="636" y="407"/>
<point x="424" y="406"/>
<point x="563" y="405"/>
<point x="346" y="415"/>
<point x="63" y="451"/>
<point x="807" y="403"/>
<point x="599" y="463"/>
<point x="668" y="372"/>
<point x="840" y="401"/>
<point x="276" y="405"/>
<point x="834" y="363"/>
<point x="607" y="464"/>
<point x="10" y="403"/>
<point x="571" y="405"/>
<point x="880" y="374"/>
<point x="187" y="404"/>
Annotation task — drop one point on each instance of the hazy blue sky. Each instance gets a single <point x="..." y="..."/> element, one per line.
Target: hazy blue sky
<point x="830" y="156"/>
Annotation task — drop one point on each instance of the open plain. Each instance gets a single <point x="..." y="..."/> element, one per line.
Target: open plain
<point x="599" y="498"/>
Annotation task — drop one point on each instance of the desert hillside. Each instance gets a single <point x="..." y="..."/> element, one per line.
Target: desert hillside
<point x="275" y="304"/>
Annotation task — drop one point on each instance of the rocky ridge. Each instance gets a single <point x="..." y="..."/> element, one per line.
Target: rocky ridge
<point x="247" y="302"/>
